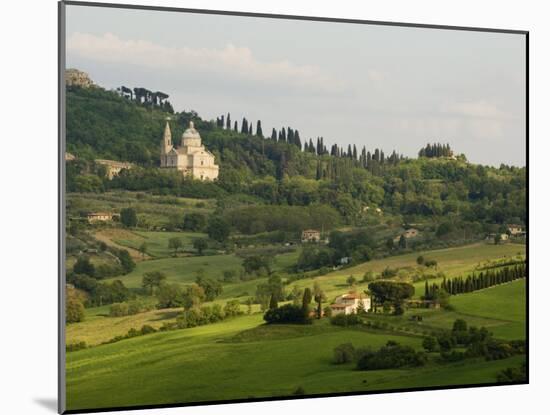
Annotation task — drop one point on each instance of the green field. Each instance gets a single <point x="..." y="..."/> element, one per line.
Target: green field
<point x="452" y="261"/>
<point x="153" y="211"/>
<point x="157" y="242"/>
<point x="184" y="269"/>
<point x="503" y="303"/>
<point x="221" y="362"/>
<point x="241" y="357"/>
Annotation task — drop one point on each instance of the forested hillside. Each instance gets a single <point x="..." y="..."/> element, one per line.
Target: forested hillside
<point x="281" y="169"/>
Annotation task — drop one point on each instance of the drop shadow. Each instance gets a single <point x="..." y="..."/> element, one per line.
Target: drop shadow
<point x="48" y="403"/>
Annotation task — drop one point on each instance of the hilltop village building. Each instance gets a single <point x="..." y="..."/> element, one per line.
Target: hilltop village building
<point x="191" y="158"/>
<point x="74" y="77"/>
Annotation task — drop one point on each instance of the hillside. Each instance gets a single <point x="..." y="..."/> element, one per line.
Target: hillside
<point x="102" y="124"/>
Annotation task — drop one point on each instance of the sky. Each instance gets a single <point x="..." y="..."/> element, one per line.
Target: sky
<point x="388" y="87"/>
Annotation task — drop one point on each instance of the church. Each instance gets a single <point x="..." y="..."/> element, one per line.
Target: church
<point x="191" y="158"/>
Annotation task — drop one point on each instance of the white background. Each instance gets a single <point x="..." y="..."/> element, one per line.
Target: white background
<point x="28" y="207"/>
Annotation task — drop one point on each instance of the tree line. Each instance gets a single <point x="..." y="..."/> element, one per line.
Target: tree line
<point x="147" y="98"/>
<point x="436" y="150"/>
<point x="475" y="282"/>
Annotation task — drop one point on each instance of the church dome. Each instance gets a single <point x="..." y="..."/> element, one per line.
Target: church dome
<point x="191" y="133"/>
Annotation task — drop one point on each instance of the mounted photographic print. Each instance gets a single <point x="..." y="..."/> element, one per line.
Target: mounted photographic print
<point x="258" y="207"/>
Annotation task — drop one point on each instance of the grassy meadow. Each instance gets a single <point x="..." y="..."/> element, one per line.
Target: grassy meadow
<point x="453" y="262"/>
<point x="202" y="363"/>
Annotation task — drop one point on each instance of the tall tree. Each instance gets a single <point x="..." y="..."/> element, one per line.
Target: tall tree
<point x="259" y="131"/>
<point x="319" y="296"/>
<point x="175" y="244"/>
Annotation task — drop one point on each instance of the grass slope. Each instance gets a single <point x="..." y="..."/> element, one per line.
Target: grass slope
<point x="505" y="303"/>
<point x="238" y="359"/>
<point x="157" y="242"/>
<point x="452" y="261"/>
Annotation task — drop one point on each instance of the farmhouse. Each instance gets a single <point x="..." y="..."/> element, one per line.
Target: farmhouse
<point x="515" y="230"/>
<point x="191" y="158"/>
<point x="99" y="217"/>
<point x="69" y="157"/>
<point x="492" y="236"/>
<point x="311" y="235"/>
<point x="349" y="303"/>
<point x="114" y="167"/>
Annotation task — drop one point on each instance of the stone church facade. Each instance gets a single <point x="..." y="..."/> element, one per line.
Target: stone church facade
<point x="191" y="157"/>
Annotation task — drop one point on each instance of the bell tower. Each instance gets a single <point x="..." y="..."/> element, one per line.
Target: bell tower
<point x="166" y="144"/>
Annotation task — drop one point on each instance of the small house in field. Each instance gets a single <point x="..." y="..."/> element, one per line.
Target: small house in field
<point x="349" y="303"/>
<point x="515" y="230"/>
<point x="311" y="235"/>
<point x="94" y="217"/>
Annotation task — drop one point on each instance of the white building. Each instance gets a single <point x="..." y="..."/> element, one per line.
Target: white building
<point x="191" y="158"/>
<point x="349" y="303"/>
<point x="515" y="230"/>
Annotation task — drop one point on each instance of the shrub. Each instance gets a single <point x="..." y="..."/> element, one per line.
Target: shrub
<point x="392" y="355"/>
<point x="513" y="375"/>
<point x="453" y="356"/>
<point x="74" y="309"/>
<point x="147" y="329"/>
<point x="287" y="313"/>
<point x="232" y="308"/>
<point x="73" y="347"/>
<point x="345" y="320"/>
<point x="118" y="309"/>
<point x="368" y="277"/>
<point x="430" y="344"/>
<point x="344" y="353"/>
<point x="133" y="333"/>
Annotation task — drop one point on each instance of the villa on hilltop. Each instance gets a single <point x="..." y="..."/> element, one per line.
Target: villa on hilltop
<point x="191" y="157"/>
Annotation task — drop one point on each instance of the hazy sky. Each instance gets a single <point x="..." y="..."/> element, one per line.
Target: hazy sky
<point x="379" y="86"/>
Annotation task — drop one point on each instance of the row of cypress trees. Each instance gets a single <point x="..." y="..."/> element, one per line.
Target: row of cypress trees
<point x="475" y="282"/>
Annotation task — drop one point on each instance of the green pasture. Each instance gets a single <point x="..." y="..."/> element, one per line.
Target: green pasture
<point x="157" y="242"/>
<point x="451" y="261"/>
<point x="182" y="269"/>
<point x="239" y="358"/>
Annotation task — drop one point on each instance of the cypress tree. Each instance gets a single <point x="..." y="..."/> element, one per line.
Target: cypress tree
<point x="297" y="140"/>
<point x="306" y="299"/>
<point x="259" y="131"/>
<point x="236" y="128"/>
<point x="273" y="302"/>
<point x="228" y="121"/>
